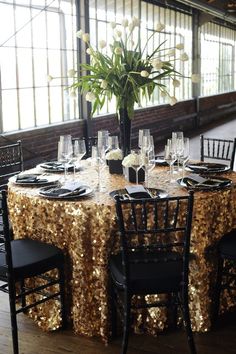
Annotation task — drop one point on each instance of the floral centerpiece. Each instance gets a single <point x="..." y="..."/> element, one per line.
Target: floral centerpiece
<point x="129" y="161"/>
<point x="114" y="158"/>
<point x="123" y="71"/>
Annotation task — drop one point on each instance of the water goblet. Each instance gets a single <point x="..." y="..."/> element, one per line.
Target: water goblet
<point x="141" y="134"/>
<point x="79" y="150"/>
<point x="148" y="163"/>
<point x="184" y="157"/>
<point x="113" y="142"/>
<point x="65" y="151"/>
<point x="99" y="162"/>
<point x="103" y="139"/>
<point x="177" y="140"/>
<point x="170" y="156"/>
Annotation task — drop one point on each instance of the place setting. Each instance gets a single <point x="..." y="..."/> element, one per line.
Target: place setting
<point x="33" y="179"/>
<point x="66" y="190"/>
<point x="69" y="154"/>
<point x="207" y="167"/>
<point x="197" y="182"/>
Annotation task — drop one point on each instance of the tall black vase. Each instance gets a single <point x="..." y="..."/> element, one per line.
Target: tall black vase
<point x="125" y="131"/>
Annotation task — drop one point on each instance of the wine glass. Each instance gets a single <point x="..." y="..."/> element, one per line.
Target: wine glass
<point x="113" y="142"/>
<point x="65" y="151"/>
<point x="170" y="156"/>
<point x="99" y="162"/>
<point x="184" y="157"/>
<point x="147" y="143"/>
<point x="177" y="140"/>
<point x="136" y="162"/>
<point x="79" y="150"/>
<point x="141" y="134"/>
<point x="149" y="163"/>
<point x="103" y="139"/>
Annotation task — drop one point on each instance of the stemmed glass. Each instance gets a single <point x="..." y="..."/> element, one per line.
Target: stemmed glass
<point x="79" y="150"/>
<point x="149" y="163"/>
<point x="170" y="156"/>
<point x="177" y="141"/>
<point x="141" y="134"/>
<point x="103" y="139"/>
<point x="65" y="151"/>
<point x="99" y="162"/>
<point x="137" y="162"/>
<point x="113" y="142"/>
<point x="184" y="157"/>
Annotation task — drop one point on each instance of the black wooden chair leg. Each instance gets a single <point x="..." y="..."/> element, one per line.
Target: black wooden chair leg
<point x="187" y="324"/>
<point x="23" y="299"/>
<point x="12" y="294"/>
<point x="127" y="306"/>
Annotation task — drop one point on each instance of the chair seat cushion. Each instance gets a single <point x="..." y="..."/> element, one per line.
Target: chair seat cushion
<point x="150" y="273"/>
<point x="227" y="245"/>
<point x="31" y="257"/>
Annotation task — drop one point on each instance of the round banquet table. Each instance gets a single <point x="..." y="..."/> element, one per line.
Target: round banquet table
<point x="85" y="230"/>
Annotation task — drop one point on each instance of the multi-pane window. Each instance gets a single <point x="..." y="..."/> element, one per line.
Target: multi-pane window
<point x="217" y="59"/>
<point x="178" y="30"/>
<point x="38" y="40"/>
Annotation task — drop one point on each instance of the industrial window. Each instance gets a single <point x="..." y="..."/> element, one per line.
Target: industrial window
<point x="178" y="30"/>
<point x="217" y="59"/>
<point x="38" y="40"/>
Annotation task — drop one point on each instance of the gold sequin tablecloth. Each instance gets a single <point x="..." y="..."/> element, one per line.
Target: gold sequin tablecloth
<point x="85" y="230"/>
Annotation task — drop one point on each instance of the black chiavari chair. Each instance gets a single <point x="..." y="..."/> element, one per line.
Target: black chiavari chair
<point x="154" y="258"/>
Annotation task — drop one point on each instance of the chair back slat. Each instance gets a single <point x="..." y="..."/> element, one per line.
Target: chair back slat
<point x="218" y="149"/>
<point x="154" y="225"/>
<point x="11" y="162"/>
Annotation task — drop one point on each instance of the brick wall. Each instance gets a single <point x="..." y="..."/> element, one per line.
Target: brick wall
<point x="41" y="144"/>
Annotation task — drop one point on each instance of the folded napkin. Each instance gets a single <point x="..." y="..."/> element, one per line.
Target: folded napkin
<point x="67" y="189"/>
<point x="30" y="178"/>
<point x="196" y="180"/>
<point x="56" y="166"/>
<point x="207" y="166"/>
<point x="138" y="192"/>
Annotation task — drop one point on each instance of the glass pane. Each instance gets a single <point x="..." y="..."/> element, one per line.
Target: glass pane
<point x="41" y="106"/>
<point x="23" y="26"/>
<point x="40" y="67"/>
<point x="53" y="22"/>
<point x="7" y="22"/>
<point x="39" y="30"/>
<point x="10" y="111"/>
<point x="56" y="104"/>
<point x="24" y="60"/>
<point x="26" y="103"/>
<point x="8" y="68"/>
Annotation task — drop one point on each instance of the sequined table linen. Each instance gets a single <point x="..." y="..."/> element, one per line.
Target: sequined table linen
<point x="85" y="229"/>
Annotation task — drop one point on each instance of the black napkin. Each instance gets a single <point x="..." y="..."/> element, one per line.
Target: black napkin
<point x="62" y="192"/>
<point x="56" y="166"/>
<point x="196" y="180"/>
<point x="30" y="178"/>
<point x="204" y="167"/>
<point x="138" y="192"/>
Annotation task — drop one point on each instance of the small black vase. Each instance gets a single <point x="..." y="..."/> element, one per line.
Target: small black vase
<point x="115" y="167"/>
<point x="132" y="175"/>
